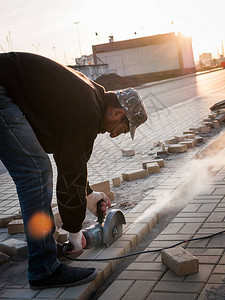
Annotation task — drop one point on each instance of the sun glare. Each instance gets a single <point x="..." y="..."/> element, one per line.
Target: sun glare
<point x="40" y="225"/>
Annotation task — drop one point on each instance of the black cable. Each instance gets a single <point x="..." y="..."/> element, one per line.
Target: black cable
<point x="138" y="253"/>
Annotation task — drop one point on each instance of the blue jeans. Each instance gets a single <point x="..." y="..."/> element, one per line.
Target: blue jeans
<point x="31" y="170"/>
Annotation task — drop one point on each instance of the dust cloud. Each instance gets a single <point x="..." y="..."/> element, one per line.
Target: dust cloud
<point x="197" y="177"/>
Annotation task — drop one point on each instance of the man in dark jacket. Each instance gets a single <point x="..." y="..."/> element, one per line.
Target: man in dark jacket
<point x="48" y="108"/>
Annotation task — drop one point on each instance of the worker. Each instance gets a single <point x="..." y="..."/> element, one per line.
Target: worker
<point x="48" y="108"/>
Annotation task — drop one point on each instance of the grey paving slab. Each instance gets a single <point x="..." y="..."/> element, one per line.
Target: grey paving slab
<point x="174" y="296"/>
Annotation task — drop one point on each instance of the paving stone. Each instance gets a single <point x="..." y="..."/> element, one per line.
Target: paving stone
<point x="130" y="237"/>
<point x="205" y="251"/>
<point x="222" y="261"/>
<point x="15" y="226"/>
<point x="203" y="259"/>
<point x="134" y="175"/>
<point x="18" y="293"/>
<point x="192" y="215"/>
<point x="14" y="247"/>
<point x="190" y="228"/>
<point x="219" y="191"/>
<point x="140" y="275"/>
<point x="189" y="131"/>
<point x="112" y="252"/>
<point x="173" y="140"/>
<point x="50" y="293"/>
<point x="172" y="228"/>
<point x="198" y="243"/>
<point x="139" y="290"/>
<point x="176" y="237"/>
<point x="180" y="261"/>
<point x="103" y="266"/>
<point x="146" y="266"/>
<point x="219" y="225"/>
<point x="178" y="287"/>
<point x="147" y="257"/>
<point x="205" y="129"/>
<point x="78" y="292"/>
<point x="120" y="286"/>
<point x="199" y="139"/>
<point x="104" y="187"/>
<point x="219" y="269"/>
<point x="217" y="242"/>
<point x="127" y="153"/>
<point x="126" y="245"/>
<point x="188" y="220"/>
<point x="189" y="143"/>
<point x="216" y="217"/>
<point x="217" y="278"/>
<point x="171" y="276"/>
<point x="216" y="124"/>
<point x="220" y="118"/>
<point x="177" y="148"/>
<point x="153" y="168"/>
<point x="191" y="208"/>
<point x="203" y="274"/>
<point x="140" y="208"/>
<point x="172" y="296"/>
<point x="190" y="136"/>
<point x="161" y="244"/>
<point x="139" y="229"/>
<point x="116" y="181"/>
<point x="160" y="162"/>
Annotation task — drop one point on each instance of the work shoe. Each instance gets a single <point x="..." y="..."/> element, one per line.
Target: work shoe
<point x="65" y="276"/>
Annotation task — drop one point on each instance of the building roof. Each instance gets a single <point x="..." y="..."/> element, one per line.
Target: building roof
<point x="134" y="43"/>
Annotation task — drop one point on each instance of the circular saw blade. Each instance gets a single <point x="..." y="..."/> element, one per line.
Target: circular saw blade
<point x="113" y="227"/>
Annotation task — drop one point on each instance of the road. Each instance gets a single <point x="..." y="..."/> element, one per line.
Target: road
<point x="169" y="93"/>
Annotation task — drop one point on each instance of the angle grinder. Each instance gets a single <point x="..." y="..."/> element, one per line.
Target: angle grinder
<point x="102" y="234"/>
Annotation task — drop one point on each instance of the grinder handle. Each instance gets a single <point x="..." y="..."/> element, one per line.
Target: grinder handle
<point x="99" y="211"/>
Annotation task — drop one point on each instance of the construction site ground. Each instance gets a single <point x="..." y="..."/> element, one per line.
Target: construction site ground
<point x="184" y="200"/>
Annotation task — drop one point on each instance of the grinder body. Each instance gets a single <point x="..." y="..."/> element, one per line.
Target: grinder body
<point x="107" y="234"/>
<point x="93" y="236"/>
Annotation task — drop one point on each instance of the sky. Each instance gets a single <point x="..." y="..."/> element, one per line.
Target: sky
<point x="62" y="30"/>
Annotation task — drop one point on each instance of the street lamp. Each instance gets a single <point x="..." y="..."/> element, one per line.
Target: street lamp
<point x="54" y="52"/>
<point x="77" y="23"/>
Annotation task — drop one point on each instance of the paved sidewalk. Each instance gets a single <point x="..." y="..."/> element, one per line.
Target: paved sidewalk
<point x="106" y="163"/>
<point x="147" y="278"/>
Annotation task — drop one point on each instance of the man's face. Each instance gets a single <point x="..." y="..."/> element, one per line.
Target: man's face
<point x="115" y="122"/>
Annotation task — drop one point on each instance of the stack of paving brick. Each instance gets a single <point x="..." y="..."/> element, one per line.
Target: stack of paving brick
<point x="217" y="114"/>
<point x="193" y="136"/>
<point x="149" y="167"/>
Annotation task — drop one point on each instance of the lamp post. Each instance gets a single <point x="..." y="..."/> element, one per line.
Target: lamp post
<point x="78" y="35"/>
<point x="54" y="52"/>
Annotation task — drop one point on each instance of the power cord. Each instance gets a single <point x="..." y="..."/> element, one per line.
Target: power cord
<point x="64" y="248"/>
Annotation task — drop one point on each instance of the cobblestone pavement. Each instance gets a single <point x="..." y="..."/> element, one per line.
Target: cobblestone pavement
<point x="146" y="276"/>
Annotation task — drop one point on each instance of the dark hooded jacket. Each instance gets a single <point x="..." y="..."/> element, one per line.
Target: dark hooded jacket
<point x="65" y="110"/>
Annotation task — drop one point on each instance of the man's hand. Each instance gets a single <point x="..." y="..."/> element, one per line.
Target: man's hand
<point x="78" y="241"/>
<point x="92" y="200"/>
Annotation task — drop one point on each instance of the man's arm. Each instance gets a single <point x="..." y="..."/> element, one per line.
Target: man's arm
<point x="71" y="159"/>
